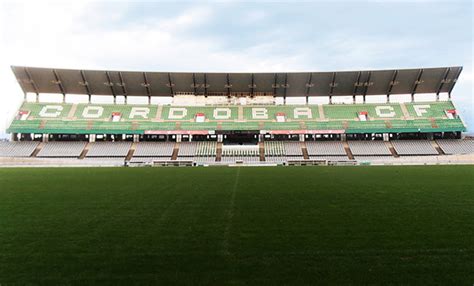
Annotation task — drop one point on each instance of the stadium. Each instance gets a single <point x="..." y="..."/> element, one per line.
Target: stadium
<point x="236" y="143"/>
<point x="191" y="119"/>
<point x="192" y="178"/>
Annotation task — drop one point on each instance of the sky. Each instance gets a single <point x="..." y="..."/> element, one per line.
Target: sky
<point x="236" y="36"/>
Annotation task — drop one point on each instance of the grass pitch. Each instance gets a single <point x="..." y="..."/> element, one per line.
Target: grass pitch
<point x="236" y="226"/>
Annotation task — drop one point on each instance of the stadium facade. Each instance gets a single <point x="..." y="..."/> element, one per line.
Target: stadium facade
<point x="237" y="117"/>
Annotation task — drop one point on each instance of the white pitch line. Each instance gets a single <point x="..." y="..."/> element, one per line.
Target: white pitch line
<point x="230" y="215"/>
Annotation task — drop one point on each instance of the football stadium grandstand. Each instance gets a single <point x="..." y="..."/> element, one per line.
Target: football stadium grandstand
<point x="172" y="118"/>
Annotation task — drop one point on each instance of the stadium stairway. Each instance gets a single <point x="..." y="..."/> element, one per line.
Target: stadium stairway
<point x="174" y="156"/>
<point x="261" y="148"/>
<point x="321" y="112"/>
<point x="37" y="149"/>
<point x="392" y="149"/>
<point x="305" y="151"/>
<point x="219" y="152"/>
<point x="405" y="112"/>
<point x="437" y="147"/>
<point x="348" y="150"/>
<point x="131" y="151"/>
<point x="84" y="152"/>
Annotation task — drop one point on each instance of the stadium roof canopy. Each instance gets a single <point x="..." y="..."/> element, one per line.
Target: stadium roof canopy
<point x="341" y="83"/>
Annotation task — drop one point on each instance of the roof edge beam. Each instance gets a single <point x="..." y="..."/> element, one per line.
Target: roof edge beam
<point x="146" y="84"/>
<point x="356" y="87"/>
<point x="455" y="79"/>
<point x="85" y="84"/>
<point x="309" y="85"/>
<point x="31" y="81"/>
<point x="170" y="85"/>
<point x="331" y="87"/>
<point x="122" y="84"/>
<point x="111" y="86"/>
<point x="415" y="84"/>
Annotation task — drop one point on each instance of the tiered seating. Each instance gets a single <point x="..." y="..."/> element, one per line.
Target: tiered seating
<point x="108" y="149"/>
<point x="288" y="110"/>
<point x="187" y="149"/>
<point x="208" y="111"/>
<point x="293" y="148"/>
<point x="282" y="151"/>
<point x="137" y="119"/>
<point x="17" y="149"/>
<point x="414" y="147"/>
<point x="274" y="148"/>
<point x="231" y="153"/>
<point x="324" y="148"/>
<point x="108" y="109"/>
<point x="200" y="151"/>
<point x="154" y="149"/>
<point x="450" y="146"/>
<point x="231" y="125"/>
<point x="35" y="108"/>
<point x="275" y="159"/>
<point x="436" y="109"/>
<point x="244" y="152"/>
<point x="206" y="148"/>
<point x="351" y="111"/>
<point x="369" y="148"/>
<point x="62" y="149"/>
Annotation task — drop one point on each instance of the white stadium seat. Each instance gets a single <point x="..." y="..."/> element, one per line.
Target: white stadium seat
<point x="17" y="148"/>
<point x="62" y="149"/>
<point x="368" y="148"/>
<point x="414" y="147"/>
<point x="450" y="146"/>
<point x="318" y="148"/>
<point x="154" y="149"/>
<point x="108" y="149"/>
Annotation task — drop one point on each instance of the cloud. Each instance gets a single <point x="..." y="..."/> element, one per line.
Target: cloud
<point x="195" y="37"/>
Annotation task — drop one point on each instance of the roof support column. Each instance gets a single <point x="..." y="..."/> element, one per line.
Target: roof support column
<point x="391" y="84"/>
<point x="366" y="85"/>
<point x="332" y="85"/>
<point x="125" y="97"/>
<point x="205" y="86"/>
<point x="440" y="86"/>
<point x="115" y="99"/>
<point x="86" y="85"/>
<point x="33" y="84"/>
<point x="356" y="86"/>
<point x="415" y="85"/>
<point x="60" y="85"/>
<point x="309" y="84"/>
<point x="147" y="87"/>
